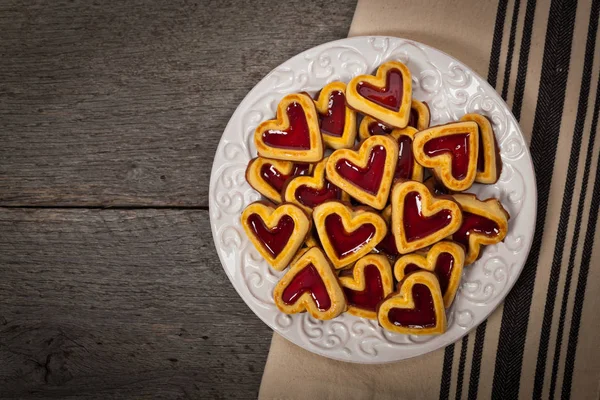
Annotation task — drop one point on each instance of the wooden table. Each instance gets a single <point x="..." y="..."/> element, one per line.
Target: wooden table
<point x="110" y="113"/>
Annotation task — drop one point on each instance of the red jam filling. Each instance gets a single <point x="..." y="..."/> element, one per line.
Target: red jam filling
<point x="276" y="179"/>
<point x="312" y="197"/>
<point x="458" y="146"/>
<point x="422" y="316"/>
<point x="406" y="160"/>
<point x="416" y="225"/>
<point x="388" y="245"/>
<point x="390" y="96"/>
<point x="369" y="298"/>
<point x="275" y="239"/>
<point x="443" y="270"/>
<point x="377" y="128"/>
<point x="332" y="123"/>
<point x="347" y="243"/>
<point x="473" y="223"/>
<point x="413" y="119"/>
<point x="307" y="280"/>
<point x="368" y="178"/>
<point x="296" y="136"/>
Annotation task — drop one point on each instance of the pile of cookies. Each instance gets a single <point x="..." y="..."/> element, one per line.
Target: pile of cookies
<point x="380" y="228"/>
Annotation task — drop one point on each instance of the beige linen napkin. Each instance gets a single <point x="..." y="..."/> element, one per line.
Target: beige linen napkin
<point x="544" y="58"/>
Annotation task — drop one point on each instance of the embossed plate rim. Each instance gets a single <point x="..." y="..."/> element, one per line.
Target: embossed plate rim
<point x="350" y="338"/>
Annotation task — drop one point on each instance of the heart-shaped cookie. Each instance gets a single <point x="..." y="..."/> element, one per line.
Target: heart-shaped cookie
<point x="294" y="135"/>
<point x="367" y="284"/>
<point x="276" y="232"/>
<point x="388" y="244"/>
<point x="419" y="119"/>
<point x="419" y="219"/>
<point x="385" y="96"/>
<point x="407" y="168"/>
<point x="489" y="162"/>
<point x="369" y="126"/>
<point x="347" y="234"/>
<point x="452" y="151"/>
<point x="336" y="120"/>
<point x="445" y="259"/>
<point x="365" y="174"/>
<point x="310" y="191"/>
<point x="310" y="285"/>
<point x="483" y="223"/>
<point x="268" y="177"/>
<point x="419" y="115"/>
<point x="417" y="309"/>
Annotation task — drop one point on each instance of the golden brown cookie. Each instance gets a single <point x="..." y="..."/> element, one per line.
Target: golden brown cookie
<point x="489" y="162"/>
<point x="451" y="150"/>
<point x="419" y="219"/>
<point x="268" y="177"/>
<point x="347" y="234"/>
<point x="416" y="309"/>
<point x="385" y="96"/>
<point x="483" y="223"/>
<point x="294" y="135"/>
<point x="445" y="259"/>
<point x="336" y="120"/>
<point x="310" y="191"/>
<point x="367" y="284"/>
<point x="365" y="174"/>
<point x="310" y="285"/>
<point x="277" y="232"/>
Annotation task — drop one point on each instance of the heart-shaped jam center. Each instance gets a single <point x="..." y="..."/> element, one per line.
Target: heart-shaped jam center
<point x="312" y="197"/>
<point x="406" y="160"/>
<point x="377" y="128"/>
<point x="443" y="270"/>
<point x="372" y="294"/>
<point x="422" y="316"/>
<point x="473" y="223"/>
<point x="296" y="136"/>
<point x="418" y="226"/>
<point x="276" y="179"/>
<point x="390" y="96"/>
<point x="274" y="239"/>
<point x="388" y="245"/>
<point x="345" y="243"/>
<point x="413" y="118"/>
<point x="458" y="146"/>
<point x="332" y="123"/>
<point x="307" y="280"/>
<point x="368" y="178"/>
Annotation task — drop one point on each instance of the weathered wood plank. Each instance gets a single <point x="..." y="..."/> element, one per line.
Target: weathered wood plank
<point x="121" y="304"/>
<point x="123" y="102"/>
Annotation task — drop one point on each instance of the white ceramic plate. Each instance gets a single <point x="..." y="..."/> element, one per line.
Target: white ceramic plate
<point x="451" y="89"/>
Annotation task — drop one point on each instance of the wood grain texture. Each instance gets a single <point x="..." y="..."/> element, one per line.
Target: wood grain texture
<point x="119" y="103"/>
<point x="121" y="304"/>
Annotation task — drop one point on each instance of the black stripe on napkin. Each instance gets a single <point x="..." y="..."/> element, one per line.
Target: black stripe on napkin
<point x="523" y="59"/>
<point x="497" y="42"/>
<point x="511" y="48"/>
<point x="447" y="372"/>
<point x="585" y="261"/>
<point x="546" y="130"/>
<point x="563" y="225"/>
<point x="461" y="366"/>
<point x="476" y="363"/>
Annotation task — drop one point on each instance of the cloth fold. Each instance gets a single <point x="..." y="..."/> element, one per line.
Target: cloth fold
<point x="544" y="59"/>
